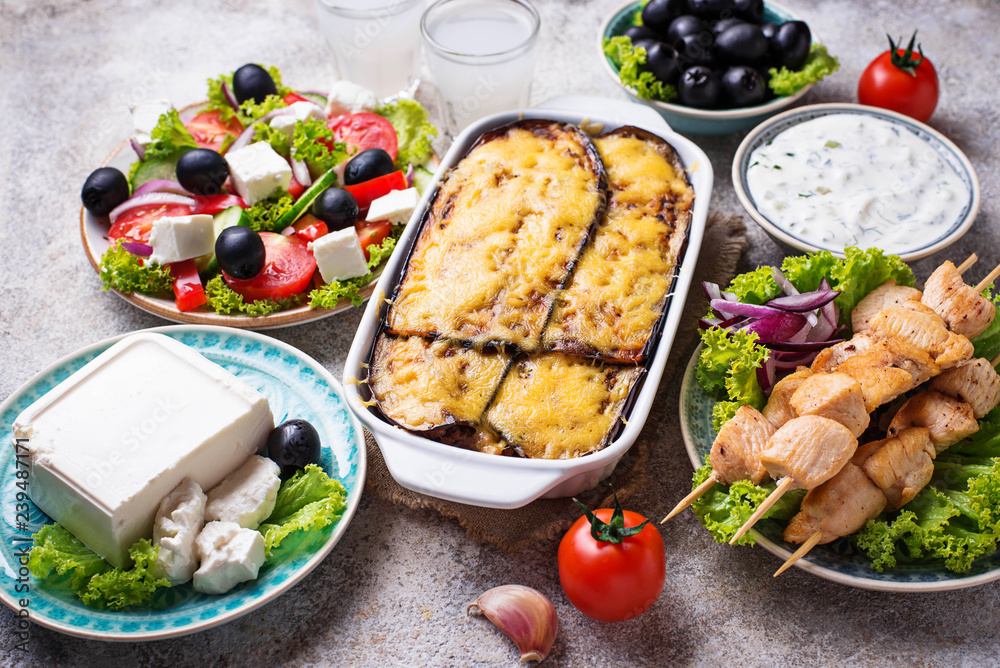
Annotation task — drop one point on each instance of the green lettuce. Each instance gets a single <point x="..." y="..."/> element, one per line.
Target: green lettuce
<point x="248" y="112"/>
<point x="311" y="143"/>
<point x="413" y="130"/>
<point x="264" y="216"/>
<point x="120" y="270"/>
<point x="630" y="60"/>
<point x="728" y="365"/>
<point x="988" y="343"/>
<point x="723" y="510"/>
<point x="722" y="411"/>
<point x="223" y="299"/>
<point x="169" y="137"/>
<point x="308" y="501"/>
<point x="331" y="294"/>
<point x="819" y="63"/>
<point x="755" y="287"/>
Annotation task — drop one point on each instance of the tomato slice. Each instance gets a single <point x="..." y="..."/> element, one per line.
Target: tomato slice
<point x="209" y="131"/>
<point x="292" y="98"/>
<point x="295" y="188"/>
<point x="188" y="291"/>
<point x="368" y="191"/>
<point x="135" y="225"/>
<point x="363" y="131"/>
<point x="310" y="228"/>
<point x="288" y="268"/>
<point x="372" y="234"/>
<point x="213" y="204"/>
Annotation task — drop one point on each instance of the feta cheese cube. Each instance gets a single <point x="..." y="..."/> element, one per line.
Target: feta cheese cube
<point x="176" y="238"/>
<point x="300" y="112"/>
<point x="109" y="442"/>
<point x="347" y="97"/>
<point x="339" y="255"/>
<point x="178" y="522"/>
<point x="145" y="116"/>
<point x="247" y="495"/>
<point x="257" y="172"/>
<point x="396" y="207"/>
<point x="229" y="555"/>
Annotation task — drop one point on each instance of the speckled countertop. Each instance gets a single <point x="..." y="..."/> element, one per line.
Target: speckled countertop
<point x="394" y="590"/>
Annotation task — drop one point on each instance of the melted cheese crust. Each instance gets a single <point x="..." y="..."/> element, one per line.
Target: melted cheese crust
<point x="617" y="293"/>
<point x="503" y="234"/>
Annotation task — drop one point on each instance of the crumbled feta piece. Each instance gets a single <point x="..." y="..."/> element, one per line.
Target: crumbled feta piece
<point x="396" y="207"/>
<point x="258" y="172"/>
<point x="347" y="97"/>
<point x="176" y="238"/>
<point x="145" y="116"/>
<point x="229" y="555"/>
<point x="179" y="520"/>
<point x="247" y="495"/>
<point x="339" y="255"/>
<point x="300" y="112"/>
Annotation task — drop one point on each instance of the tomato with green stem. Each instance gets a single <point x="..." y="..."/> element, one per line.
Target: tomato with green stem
<point x="901" y="81"/>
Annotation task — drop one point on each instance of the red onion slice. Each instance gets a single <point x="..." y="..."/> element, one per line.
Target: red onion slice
<point x="242" y="140"/>
<point x="805" y="346"/>
<point x="783" y="282"/>
<point x="806" y="301"/>
<point x="139" y="149"/>
<point x="736" y="308"/>
<point x="230" y="98"/>
<point x="162" y="186"/>
<point x="778" y="327"/>
<point x="283" y="111"/>
<point x="142" y="250"/>
<point x="148" y="199"/>
<point x="301" y="172"/>
<point x="712" y="290"/>
<point x="409" y="176"/>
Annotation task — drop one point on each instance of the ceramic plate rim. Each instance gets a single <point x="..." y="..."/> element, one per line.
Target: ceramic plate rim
<point x="352" y="501"/>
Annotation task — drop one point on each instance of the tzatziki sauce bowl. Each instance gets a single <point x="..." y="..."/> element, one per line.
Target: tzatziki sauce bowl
<point x="831" y="176"/>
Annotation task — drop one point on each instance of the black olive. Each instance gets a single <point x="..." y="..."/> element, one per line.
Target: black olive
<point x="337" y="208"/>
<point x="750" y="10"/>
<point x="252" y="82"/>
<point x="685" y="25"/>
<point x="368" y="165"/>
<point x="104" y="190"/>
<point x="698" y="87"/>
<point x="658" y="14"/>
<point x="696" y="50"/>
<point x="240" y="252"/>
<point x="202" y="171"/>
<point x="661" y="60"/>
<point x="743" y="43"/>
<point x="769" y="29"/>
<point x="721" y="25"/>
<point x="292" y="445"/>
<point x="646" y="44"/>
<point x="712" y="10"/>
<point x="792" y="41"/>
<point x="639" y="32"/>
<point x="742" y="87"/>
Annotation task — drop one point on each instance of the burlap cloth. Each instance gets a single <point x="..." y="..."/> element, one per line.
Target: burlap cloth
<point x="510" y="530"/>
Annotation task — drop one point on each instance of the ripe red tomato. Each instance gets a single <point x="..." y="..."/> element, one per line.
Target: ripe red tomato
<point x="363" y="131"/>
<point x="612" y="582"/>
<point x="136" y="225"/>
<point x="372" y="234"/>
<point x="213" y="204"/>
<point x="366" y="192"/>
<point x="292" y="98"/>
<point x="309" y="228"/>
<point x="209" y="131"/>
<point x="901" y="81"/>
<point x="288" y="268"/>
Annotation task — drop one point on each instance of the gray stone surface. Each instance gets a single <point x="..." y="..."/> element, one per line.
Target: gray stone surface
<point x="394" y="591"/>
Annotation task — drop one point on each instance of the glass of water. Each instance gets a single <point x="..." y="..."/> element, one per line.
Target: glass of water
<point x="481" y="54"/>
<point x="376" y="43"/>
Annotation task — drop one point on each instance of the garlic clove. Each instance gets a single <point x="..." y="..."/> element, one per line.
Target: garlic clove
<point x="525" y="615"/>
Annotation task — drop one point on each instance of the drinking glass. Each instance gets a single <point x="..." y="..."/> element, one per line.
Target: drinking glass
<point x="481" y="54"/>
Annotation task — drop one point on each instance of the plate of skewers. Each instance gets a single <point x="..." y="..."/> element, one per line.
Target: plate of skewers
<point x="848" y="422"/>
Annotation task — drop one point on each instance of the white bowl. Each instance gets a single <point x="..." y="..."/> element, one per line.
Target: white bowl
<point x="493" y="481"/>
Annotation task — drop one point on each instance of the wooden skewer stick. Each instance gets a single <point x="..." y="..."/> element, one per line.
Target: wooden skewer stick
<point x="801" y="552"/>
<point x="989" y="279"/>
<point x="785" y="485"/>
<point x="695" y="493"/>
<point x="971" y="260"/>
<point x="996" y="360"/>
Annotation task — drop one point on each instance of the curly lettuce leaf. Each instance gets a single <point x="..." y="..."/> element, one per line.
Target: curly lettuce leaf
<point x="264" y="216"/>
<point x="755" y="287"/>
<point x="723" y="510"/>
<point x="169" y="137"/>
<point x="120" y="270"/>
<point x="331" y="294"/>
<point x="278" y="139"/>
<point x="223" y="299"/>
<point x="311" y="143"/>
<point x="413" y="131"/>
<point x="119" y="588"/>
<point x="629" y="61"/>
<point x="819" y="63"/>
<point x="57" y="550"/>
<point x="728" y="365"/>
<point x="985" y="442"/>
<point x="248" y="112"/>
<point x="308" y="501"/>
<point x="988" y="343"/>
<point x="722" y="411"/>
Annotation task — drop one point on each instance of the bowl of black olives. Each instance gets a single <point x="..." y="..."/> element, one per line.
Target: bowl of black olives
<point x="712" y="67"/>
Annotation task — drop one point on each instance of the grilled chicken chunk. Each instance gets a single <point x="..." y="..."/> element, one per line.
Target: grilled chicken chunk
<point x="964" y="310"/>
<point x="975" y="383"/>
<point x="830" y="358"/>
<point x="926" y="331"/>
<point x="736" y="451"/>
<point x="838" y="507"/>
<point x="808" y="449"/>
<point x="832" y="395"/>
<point x="778" y="411"/>
<point x="946" y="419"/>
<point x="884" y="296"/>
<point x="902" y="466"/>
<point x="887" y="369"/>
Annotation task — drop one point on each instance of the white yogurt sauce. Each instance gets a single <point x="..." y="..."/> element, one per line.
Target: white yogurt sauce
<point x="854" y="180"/>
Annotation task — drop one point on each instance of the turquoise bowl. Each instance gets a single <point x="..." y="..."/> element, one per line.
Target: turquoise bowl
<point x="296" y="386"/>
<point x="690" y="120"/>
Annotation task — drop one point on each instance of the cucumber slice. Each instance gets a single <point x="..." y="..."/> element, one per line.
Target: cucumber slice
<point x="306" y="199"/>
<point x="422" y="179"/>
<point x="156" y="168"/>
<point x="315" y="97"/>
<point x="234" y="215"/>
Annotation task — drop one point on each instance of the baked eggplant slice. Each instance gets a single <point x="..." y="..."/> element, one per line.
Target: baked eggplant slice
<point x="556" y="406"/>
<point x="620" y="286"/>
<point x="501" y="236"/>
<point x="425" y="385"/>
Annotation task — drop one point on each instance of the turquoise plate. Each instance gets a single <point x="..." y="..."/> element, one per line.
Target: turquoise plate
<point x="839" y="561"/>
<point x="296" y="386"/>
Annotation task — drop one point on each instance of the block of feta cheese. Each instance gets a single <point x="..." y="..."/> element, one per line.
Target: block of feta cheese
<point x="396" y="207"/>
<point x="247" y="495"/>
<point x="300" y="112"/>
<point x="347" y="97"/>
<point x="339" y="255"/>
<point x="229" y="555"/>
<point x="145" y="115"/>
<point x="178" y="522"/>
<point x="176" y="238"/>
<point x="109" y="442"/>
<point x="258" y="172"/>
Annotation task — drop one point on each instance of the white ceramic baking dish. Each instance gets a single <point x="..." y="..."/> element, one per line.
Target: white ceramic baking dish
<point x="493" y="481"/>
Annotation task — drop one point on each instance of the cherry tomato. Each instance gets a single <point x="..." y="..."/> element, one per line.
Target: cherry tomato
<point x="901" y="81"/>
<point x="363" y="131"/>
<point x="209" y="131"/>
<point x="310" y="228"/>
<point x="608" y="581"/>
<point x="288" y="268"/>
<point x="213" y="204"/>
<point x="292" y="98"/>
<point x="368" y="191"/>
<point x="188" y="291"/>
<point x="136" y="225"/>
<point x="372" y="234"/>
